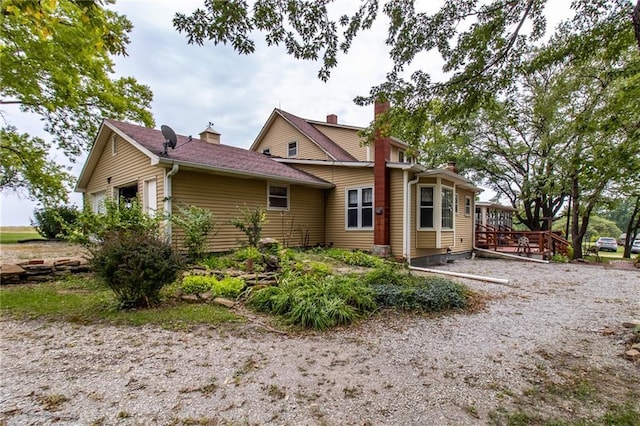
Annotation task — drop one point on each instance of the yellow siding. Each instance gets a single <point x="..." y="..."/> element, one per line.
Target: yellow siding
<point x="343" y="177"/>
<point x="397" y="210"/>
<point x="446" y="240"/>
<point x="225" y="196"/>
<point x="127" y="167"/>
<point x="348" y="139"/>
<point x="464" y="224"/>
<point x="278" y="136"/>
<point x="425" y="239"/>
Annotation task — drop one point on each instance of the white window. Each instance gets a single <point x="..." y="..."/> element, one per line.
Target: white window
<point x="150" y="197"/>
<point x="447" y="208"/>
<point x="292" y="149"/>
<point x="97" y="201"/>
<point x="277" y="197"/>
<point x="401" y="156"/>
<point x="114" y="145"/>
<point x="467" y="205"/>
<point x="426" y="207"/>
<point x="359" y="208"/>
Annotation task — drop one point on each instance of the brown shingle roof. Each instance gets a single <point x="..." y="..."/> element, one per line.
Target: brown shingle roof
<point x="324" y="142"/>
<point x="199" y="153"/>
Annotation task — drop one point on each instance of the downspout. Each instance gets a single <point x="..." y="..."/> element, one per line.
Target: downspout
<point x="407" y="216"/>
<point x="168" y="194"/>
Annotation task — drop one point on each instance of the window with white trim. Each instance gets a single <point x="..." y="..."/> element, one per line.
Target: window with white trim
<point x="97" y="201"/>
<point x="457" y="202"/>
<point x="467" y="205"/>
<point x="426" y="204"/>
<point x="359" y="208"/>
<point x="277" y="197"/>
<point x="292" y="149"/>
<point x="447" y="208"/>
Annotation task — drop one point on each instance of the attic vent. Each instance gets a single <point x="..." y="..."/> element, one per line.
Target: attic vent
<point x="209" y="135"/>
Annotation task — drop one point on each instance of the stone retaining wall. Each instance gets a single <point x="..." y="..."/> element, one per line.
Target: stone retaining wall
<point x="39" y="270"/>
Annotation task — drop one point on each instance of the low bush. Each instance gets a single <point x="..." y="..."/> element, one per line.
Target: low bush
<point x="559" y="258"/>
<point x="396" y="289"/>
<point x="227" y="287"/>
<point x="56" y="221"/>
<point x="135" y="266"/>
<point x="315" y="302"/>
<point x="197" y="223"/>
<point x="197" y="284"/>
<point x="246" y="253"/>
<point x="355" y="257"/>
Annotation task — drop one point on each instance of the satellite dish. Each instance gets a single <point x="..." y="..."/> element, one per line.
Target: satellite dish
<point x="170" y="138"/>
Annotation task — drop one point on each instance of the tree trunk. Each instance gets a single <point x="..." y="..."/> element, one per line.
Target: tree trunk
<point x="632" y="227"/>
<point x="635" y="16"/>
<point x="576" y="238"/>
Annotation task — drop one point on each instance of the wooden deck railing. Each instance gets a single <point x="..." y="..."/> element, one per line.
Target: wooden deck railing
<point x="542" y="243"/>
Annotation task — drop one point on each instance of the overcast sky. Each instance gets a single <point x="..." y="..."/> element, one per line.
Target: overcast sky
<point x="195" y="85"/>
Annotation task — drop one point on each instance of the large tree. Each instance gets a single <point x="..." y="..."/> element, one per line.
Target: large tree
<point x="482" y="43"/>
<point x="56" y="58"/>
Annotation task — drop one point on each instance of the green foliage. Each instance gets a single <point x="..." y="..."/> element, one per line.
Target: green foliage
<point x="227" y="287"/>
<point x="559" y="258"/>
<point x="218" y="262"/>
<point x="55" y="221"/>
<point x="315" y="302"/>
<point x="135" y="266"/>
<point x="91" y="229"/>
<point x="25" y="167"/>
<point x="397" y="289"/>
<point x="598" y="227"/>
<point x="197" y="284"/>
<point x="197" y="223"/>
<point x="63" y="75"/>
<point x="249" y="252"/>
<point x="354" y="257"/>
<point x="251" y="222"/>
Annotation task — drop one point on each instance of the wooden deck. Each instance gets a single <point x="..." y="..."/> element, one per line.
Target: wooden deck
<point x="540" y="244"/>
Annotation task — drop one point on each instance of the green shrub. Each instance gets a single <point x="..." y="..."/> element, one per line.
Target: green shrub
<point x="428" y="294"/>
<point x="197" y="223"/>
<point x="56" y="221"/>
<point x="228" y="287"/>
<point x="251" y="222"/>
<point x="559" y="258"/>
<point x="92" y="229"/>
<point x="196" y="284"/>
<point x="218" y="262"/>
<point x="355" y="257"/>
<point x="135" y="266"/>
<point x="390" y="274"/>
<point x="245" y="253"/>
<point x="315" y="302"/>
<point x="570" y="251"/>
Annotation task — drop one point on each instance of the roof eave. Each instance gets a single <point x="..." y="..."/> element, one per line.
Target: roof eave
<point x="235" y="172"/>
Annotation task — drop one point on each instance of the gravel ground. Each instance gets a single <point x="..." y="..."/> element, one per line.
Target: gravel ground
<point x="446" y="370"/>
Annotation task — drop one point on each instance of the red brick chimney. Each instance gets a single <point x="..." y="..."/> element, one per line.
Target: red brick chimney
<point x="451" y="166"/>
<point x="332" y="119"/>
<point x="382" y="191"/>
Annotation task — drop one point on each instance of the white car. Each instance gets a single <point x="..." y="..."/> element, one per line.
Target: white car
<point x="607" y="244"/>
<point x="635" y="248"/>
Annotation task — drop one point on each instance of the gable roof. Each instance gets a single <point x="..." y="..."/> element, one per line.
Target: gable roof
<point x="306" y="127"/>
<point x="195" y="154"/>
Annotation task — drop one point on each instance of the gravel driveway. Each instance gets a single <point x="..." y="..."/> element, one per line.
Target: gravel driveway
<point x="456" y="369"/>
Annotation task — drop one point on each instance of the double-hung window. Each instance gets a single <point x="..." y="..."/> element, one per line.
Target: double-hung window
<point x="359" y="208"/>
<point x="426" y="207"/>
<point x="447" y="208"/>
<point x="467" y="205"/>
<point x="292" y="149"/>
<point x="277" y="197"/>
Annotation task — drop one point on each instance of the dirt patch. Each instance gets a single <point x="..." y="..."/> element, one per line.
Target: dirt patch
<point x="47" y="251"/>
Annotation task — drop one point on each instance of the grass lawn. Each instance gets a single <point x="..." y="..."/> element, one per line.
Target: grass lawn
<point x="13" y="234"/>
<point x="80" y="300"/>
<point x="607" y="256"/>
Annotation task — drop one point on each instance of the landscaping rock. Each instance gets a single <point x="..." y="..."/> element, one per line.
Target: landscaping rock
<point x="225" y="302"/>
<point x="631" y="324"/>
<point x="633" y="354"/>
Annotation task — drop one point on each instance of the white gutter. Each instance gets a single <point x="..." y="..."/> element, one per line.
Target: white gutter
<point x="461" y="275"/>
<point x="168" y="194"/>
<point x="406" y="231"/>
